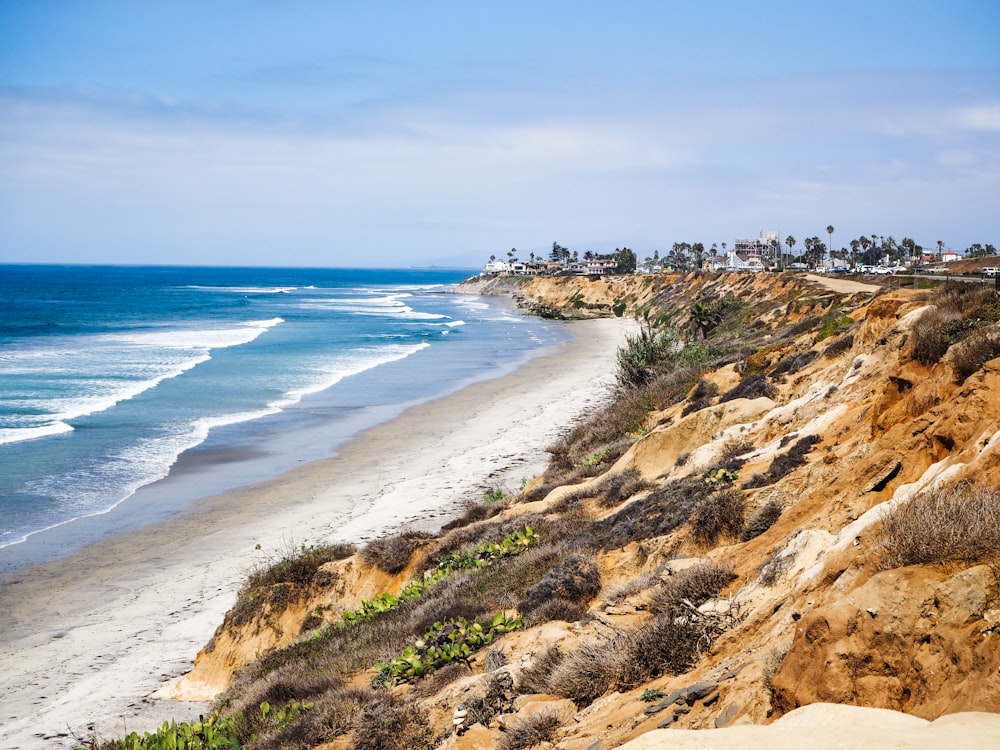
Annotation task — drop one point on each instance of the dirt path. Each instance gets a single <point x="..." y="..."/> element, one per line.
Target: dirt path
<point x="842" y="286"/>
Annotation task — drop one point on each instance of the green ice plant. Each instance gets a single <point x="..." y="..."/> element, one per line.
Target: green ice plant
<point x="213" y="733"/>
<point x="482" y="555"/>
<point x="446" y="642"/>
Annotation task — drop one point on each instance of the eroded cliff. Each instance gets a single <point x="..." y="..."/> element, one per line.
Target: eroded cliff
<point x="711" y="549"/>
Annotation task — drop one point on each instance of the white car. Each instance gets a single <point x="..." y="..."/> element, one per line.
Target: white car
<point x="990" y="273"/>
<point x="882" y="270"/>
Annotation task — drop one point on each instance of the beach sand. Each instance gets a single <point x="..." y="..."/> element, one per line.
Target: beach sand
<point x="93" y="642"/>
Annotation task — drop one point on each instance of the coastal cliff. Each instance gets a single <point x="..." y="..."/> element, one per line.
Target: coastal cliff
<point x="728" y="541"/>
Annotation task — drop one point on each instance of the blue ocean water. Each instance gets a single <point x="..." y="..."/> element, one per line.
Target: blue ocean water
<point x="110" y="375"/>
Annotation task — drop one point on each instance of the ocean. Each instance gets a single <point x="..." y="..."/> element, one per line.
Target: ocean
<point x="119" y="379"/>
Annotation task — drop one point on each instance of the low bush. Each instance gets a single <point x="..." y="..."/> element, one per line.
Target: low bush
<point x="721" y="514"/>
<point x="574" y="579"/>
<point x="296" y="566"/>
<point x="392" y="554"/>
<point x="773" y="568"/>
<point x="667" y="643"/>
<point x="793" y="363"/>
<point x="559" y="609"/>
<point x="653" y="515"/>
<point x="643" y="353"/>
<point x="839" y="346"/>
<point x="784" y="463"/>
<point x="702" y="395"/>
<point x="696" y="584"/>
<point x="761" y="520"/>
<point x="498" y="699"/>
<point x="961" y="525"/>
<point x="331" y="716"/>
<point x="390" y="724"/>
<point x="932" y="334"/>
<point x="528" y="731"/>
<point x="754" y="386"/>
<point x="587" y="672"/>
<point x="619" y="487"/>
<point x="969" y="355"/>
<point x="535" y="677"/>
<point x="474" y="512"/>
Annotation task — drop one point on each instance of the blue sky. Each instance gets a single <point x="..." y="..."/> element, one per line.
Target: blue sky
<point x="395" y="133"/>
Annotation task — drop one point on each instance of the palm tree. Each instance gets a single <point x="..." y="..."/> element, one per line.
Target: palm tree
<point x="940" y="246"/>
<point x="790" y="242"/>
<point x="829" y="231"/>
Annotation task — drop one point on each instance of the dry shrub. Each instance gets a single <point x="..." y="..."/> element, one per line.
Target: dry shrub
<point x="960" y="524"/>
<point x="475" y="510"/>
<point x="587" y="672"/>
<point x="559" y="609"/>
<point x="494" y="659"/>
<point x="296" y="566"/>
<point x="761" y="520"/>
<point x="931" y="337"/>
<point x="772" y="663"/>
<point x="498" y="698"/>
<point x="535" y="678"/>
<point x="656" y="514"/>
<point x="773" y="568"/>
<point x="721" y="514"/>
<point x="785" y="463"/>
<point x="388" y="724"/>
<point x="696" y="584"/>
<point x="332" y="715"/>
<point x="839" y="346"/>
<point x="966" y="300"/>
<point x="392" y="554"/>
<point x="574" y="579"/>
<point x="702" y="395"/>
<point x="618" y="593"/>
<point x="733" y="449"/>
<point x="668" y="643"/>
<point x="277" y="689"/>
<point x="793" y="363"/>
<point x="617" y="488"/>
<point x="969" y="355"/>
<point x="531" y="730"/>
<point x="433" y="683"/>
<point x="754" y="386"/>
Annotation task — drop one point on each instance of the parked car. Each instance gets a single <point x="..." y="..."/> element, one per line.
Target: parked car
<point x="990" y="273"/>
<point x="881" y="271"/>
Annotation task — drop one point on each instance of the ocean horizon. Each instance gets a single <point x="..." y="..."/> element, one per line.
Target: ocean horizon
<point x="129" y="392"/>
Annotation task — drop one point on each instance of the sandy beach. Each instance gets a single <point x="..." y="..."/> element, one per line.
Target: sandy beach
<point x="93" y="642"/>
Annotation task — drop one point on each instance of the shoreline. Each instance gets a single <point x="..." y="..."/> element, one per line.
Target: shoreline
<point x="94" y="641"/>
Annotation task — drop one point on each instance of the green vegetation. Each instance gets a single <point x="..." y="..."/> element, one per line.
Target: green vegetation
<point x="213" y="733"/>
<point x="446" y="642"/>
<point x="483" y="554"/>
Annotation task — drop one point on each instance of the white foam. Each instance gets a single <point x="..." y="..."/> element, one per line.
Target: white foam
<point x="246" y="289"/>
<point x="143" y="360"/>
<point x="17" y="434"/>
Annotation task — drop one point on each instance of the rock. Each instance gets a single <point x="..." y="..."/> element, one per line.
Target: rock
<point x="727" y="715"/>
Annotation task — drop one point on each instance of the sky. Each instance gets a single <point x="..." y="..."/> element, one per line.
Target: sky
<point x="393" y="134"/>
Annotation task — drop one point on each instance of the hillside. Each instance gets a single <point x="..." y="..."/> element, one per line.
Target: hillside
<point x="792" y="500"/>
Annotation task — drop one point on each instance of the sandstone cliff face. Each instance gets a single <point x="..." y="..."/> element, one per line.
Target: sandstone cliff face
<point x="810" y="616"/>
